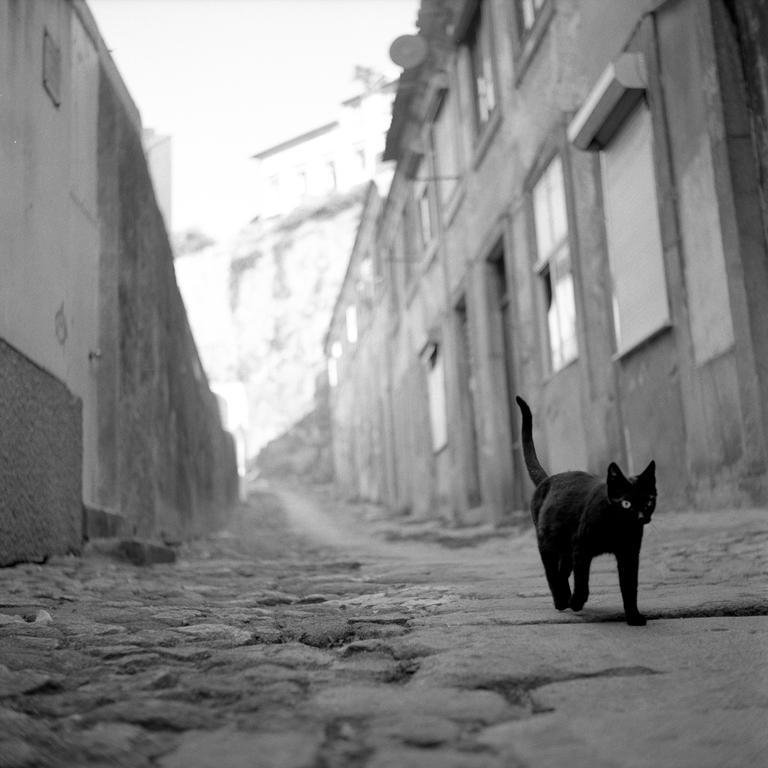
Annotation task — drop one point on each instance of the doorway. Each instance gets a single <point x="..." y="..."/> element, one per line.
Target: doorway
<point x="501" y="325"/>
<point x="467" y="406"/>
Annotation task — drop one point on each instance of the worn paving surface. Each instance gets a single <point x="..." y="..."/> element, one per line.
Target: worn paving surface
<point x="312" y="634"/>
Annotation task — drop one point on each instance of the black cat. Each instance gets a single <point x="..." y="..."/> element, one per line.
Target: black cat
<point x="579" y="516"/>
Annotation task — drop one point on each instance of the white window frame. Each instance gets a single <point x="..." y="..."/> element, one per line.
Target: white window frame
<point x="333" y="372"/>
<point x="479" y="42"/>
<point x="434" y="361"/>
<point x="554" y="266"/>
<point x="528" y="11"/>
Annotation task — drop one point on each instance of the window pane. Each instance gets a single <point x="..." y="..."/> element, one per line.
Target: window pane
<point x="552" y="243"/>
<point x="487" y="47"/>
<point x="330" y="170"/>
<point x="553" y="323"/>
<point x="481" y="57"/>
<point x="527" y="13"/>
<point x="446" y="157"/>
<point x="529" y="10"/>
<point x="425" y="217"/>
<point x="566" y="310"/>
<point x="437" y="411"/>
<point x="333" y="372"/>
<point x="557" y="201"/>
<point x="544" y="241"/>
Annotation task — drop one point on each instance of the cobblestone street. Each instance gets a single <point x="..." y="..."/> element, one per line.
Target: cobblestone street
<point x="315" y="634"/>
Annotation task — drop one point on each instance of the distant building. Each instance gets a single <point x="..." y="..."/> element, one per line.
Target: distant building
<point x="157" y="148"/>
<point x="260" y="304"/>
<point x="330" y="159"/>
<point x="578" y="215"/>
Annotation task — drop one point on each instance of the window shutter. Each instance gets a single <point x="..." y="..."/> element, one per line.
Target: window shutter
<point x="634" y="237"/>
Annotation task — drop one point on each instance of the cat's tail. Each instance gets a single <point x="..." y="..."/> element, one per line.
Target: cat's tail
<point x="536" y="472"/>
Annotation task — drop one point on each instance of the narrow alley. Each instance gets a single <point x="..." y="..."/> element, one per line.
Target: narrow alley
<point x="277" y="280"/>
<point x="312" y="633"/>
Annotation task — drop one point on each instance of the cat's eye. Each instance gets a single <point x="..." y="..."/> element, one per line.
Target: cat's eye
<point x="626" y="504"/>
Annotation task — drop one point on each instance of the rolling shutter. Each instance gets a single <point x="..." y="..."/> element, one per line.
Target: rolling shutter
<point x="635" y="252"/>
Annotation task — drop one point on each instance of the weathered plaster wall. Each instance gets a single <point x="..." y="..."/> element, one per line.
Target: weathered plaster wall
<point x="89" y="303"/>
<point x="48" y="229"/>
<point x="171" y="464"/>
<point x="40" y="457"/>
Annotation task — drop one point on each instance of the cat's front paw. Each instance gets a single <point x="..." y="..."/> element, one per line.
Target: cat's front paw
<point x="562" y="602"/>
<point x="636" y="620"/>
<point x="577" y="602"/>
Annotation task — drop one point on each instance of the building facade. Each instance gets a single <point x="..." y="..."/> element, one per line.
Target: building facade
<point x="105" y="412"/>
<point x="329" y="159"/>
<point x="578" y="216"/>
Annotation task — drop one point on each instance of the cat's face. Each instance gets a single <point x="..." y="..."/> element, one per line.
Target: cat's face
<point x="634" y="497"/>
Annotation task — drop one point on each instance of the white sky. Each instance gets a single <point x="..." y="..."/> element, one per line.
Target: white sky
<point x="227" y="78"/>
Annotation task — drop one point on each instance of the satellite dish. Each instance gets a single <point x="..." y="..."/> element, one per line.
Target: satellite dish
<point x="408" y="51"/>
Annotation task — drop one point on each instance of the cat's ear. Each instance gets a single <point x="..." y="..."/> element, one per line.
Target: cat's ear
<point x="614" y="473"/>
<point x="648" y="476"/>
<point x="616" y="481"/>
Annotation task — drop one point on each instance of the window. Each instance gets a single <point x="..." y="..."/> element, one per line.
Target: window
<point x="333" y="372"/>
<point x="554" y="265"/>
<point x="360" y="159"/>
<point x="333" y="363"/>
<point x="640" y="306"/>
<point x="330" y="176"/>
<point x="480" y="48"/>
<point x="445" y="148"/>
<point x="424" y="208"/>
<point x="527" y="13"/>
<point x="366" y="270"/>
<point x="365" y="281"/>
<point x="436" y="391"/>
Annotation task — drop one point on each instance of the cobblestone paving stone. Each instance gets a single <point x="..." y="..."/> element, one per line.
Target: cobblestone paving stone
<point x="314" y="634"/>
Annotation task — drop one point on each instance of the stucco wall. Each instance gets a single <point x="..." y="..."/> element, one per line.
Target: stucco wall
<point x="48" y="228"/>
<point x="40" y="456"/>
<point x="691" y="394"/>
<point x="171" y="465"/>
<point x="89" y="302"/>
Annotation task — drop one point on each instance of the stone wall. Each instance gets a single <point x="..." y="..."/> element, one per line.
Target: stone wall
<point x="170" y="465"/>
